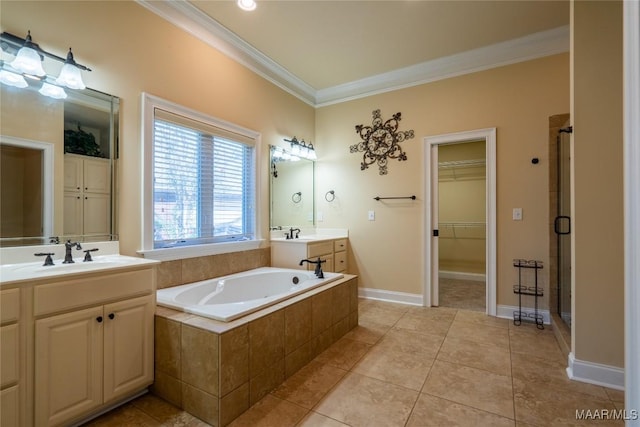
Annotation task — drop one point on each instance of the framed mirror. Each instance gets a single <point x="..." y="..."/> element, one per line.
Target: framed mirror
<point x="292" y="190"/>
<point x="58" y="158"/>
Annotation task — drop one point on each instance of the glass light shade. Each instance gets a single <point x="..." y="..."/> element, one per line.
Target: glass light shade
<point x="70" y="77"/>
<point x="247" y="5"/>
<point x="28" y="61"/>
<point x="295" y="149"/>
<point x="12" y="79"/>
<point x="304" y="152"/>
<point x="312" y="154"/>
<point x="52" y="91"/>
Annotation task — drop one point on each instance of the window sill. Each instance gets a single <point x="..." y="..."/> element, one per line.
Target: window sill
<point x="171" y="254"/>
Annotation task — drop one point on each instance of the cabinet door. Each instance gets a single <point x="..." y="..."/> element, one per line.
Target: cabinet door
<point x="72" y="214"/>
<point x="10" y="407"/>
<point x="96" y="213"/>
<point x="340" y="260"/>
<point x="97" y="175"/>
<point x="68" y="365"/>
<point x="128" y="346"/>
<point x="72" y="173"/>
<point x="9" y="355"/>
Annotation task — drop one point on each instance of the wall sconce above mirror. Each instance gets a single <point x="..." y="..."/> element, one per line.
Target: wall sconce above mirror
<point x="302" y="149"/>
<point x="26" y="67"/>
<point x="291" y="178"/>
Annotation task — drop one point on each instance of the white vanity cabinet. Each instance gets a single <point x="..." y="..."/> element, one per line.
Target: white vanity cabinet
<point x="87" y="195"/>
<point x="93" y="343"/>
<point x="289" y="253"/>
<point x="11" y="358"/>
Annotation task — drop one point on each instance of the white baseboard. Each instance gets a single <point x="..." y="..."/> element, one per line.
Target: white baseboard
<point x="459" y="275"/>
<point x="506" y="312"/>
<point x="595" y="373"/>
<point x="390" y="296"/>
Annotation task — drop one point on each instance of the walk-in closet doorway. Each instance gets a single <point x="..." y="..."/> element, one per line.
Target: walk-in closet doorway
<point x="460" y="219"/>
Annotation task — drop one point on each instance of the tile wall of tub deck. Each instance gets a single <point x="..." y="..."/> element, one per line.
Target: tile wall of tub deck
<point x="217" y="377"/>
<point x="189" y="270"/>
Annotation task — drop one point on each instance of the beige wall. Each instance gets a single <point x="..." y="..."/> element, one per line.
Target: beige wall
<point x="131" y="51"/>
<point x="598" y="267"/>
<point x="388" y="253"/>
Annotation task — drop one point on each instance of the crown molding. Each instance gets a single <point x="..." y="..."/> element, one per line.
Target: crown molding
<point x="195" y="22"/>
<point x="522" y="49"/>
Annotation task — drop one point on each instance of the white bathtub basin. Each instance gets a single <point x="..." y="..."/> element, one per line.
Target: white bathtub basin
<point x="230" y="297"/>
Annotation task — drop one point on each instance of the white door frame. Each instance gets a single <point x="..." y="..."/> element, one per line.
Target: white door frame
<point x="489" y="136"/>
<point x="631" y="113"/>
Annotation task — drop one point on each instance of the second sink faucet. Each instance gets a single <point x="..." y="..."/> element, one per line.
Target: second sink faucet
<point x="68" y="259"/>
<point x="289" y="235"/>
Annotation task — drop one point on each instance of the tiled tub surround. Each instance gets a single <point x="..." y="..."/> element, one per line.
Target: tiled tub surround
<point x="189" y="270"/>
<point x="217" y="370"/>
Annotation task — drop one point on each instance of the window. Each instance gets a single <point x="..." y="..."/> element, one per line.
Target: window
<point x="202" y="173"/>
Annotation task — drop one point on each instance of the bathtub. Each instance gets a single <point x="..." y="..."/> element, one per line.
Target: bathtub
<point x="230" y="297"/>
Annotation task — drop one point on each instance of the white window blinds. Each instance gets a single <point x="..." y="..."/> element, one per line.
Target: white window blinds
<point x="203" y="183"/>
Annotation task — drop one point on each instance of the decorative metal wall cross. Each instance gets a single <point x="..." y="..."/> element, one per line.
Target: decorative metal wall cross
<point x="380" y="142"/>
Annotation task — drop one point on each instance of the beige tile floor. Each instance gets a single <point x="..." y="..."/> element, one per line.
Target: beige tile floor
<point x="465" y="294"/>
<point x="413" y="366"/>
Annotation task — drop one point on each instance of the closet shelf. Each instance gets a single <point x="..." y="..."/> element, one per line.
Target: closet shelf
<point x="462" y="170"/>
<point x="463" y="224"/>
<point x="457" y="164"/>
<point x="462" y="230"/>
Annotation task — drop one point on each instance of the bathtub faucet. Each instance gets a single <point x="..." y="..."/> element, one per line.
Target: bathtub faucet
<point x="318" y="263"/>
<point x="289" y="235"/>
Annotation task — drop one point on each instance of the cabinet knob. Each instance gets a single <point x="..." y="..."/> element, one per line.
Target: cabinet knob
<point x="78" y="197"/>
<point x="99" y="319"/>
<point x="86" y="198"/>
<point x="112" y="316"/>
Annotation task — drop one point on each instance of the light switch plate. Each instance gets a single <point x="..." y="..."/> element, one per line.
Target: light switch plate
<point x="372" y="215"/>
<point x="517" y="214"/>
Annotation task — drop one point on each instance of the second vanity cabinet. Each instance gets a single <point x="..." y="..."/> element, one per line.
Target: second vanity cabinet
<point x="288" y="253"/>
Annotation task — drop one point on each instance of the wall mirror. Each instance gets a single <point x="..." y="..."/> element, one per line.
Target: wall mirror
<point x="58" y="158"/>
<point x="292" y="190"/>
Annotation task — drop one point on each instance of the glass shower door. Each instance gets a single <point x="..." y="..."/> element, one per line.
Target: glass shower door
<point x="562" y="226"/>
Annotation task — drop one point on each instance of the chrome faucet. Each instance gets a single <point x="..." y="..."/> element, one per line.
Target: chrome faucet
<point x="318" y="263"/>
<point x="68" y="259"/>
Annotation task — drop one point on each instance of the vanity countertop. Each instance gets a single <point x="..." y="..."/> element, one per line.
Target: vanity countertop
<point x="308" y="238"/>
<point x="11" y="274"/>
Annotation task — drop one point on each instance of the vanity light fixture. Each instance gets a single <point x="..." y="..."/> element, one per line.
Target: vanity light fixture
<point x="302" y="149"/>
<point x="28" y="62"/>
<point x="247" y="5"/>
<point x="52" y="91"/>
<point x="12" y="79"/>
<point x="70" y="74"/>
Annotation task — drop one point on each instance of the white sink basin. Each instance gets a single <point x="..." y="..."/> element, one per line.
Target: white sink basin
<point x="36" y="270"/>
<point x="105" y="262"/>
